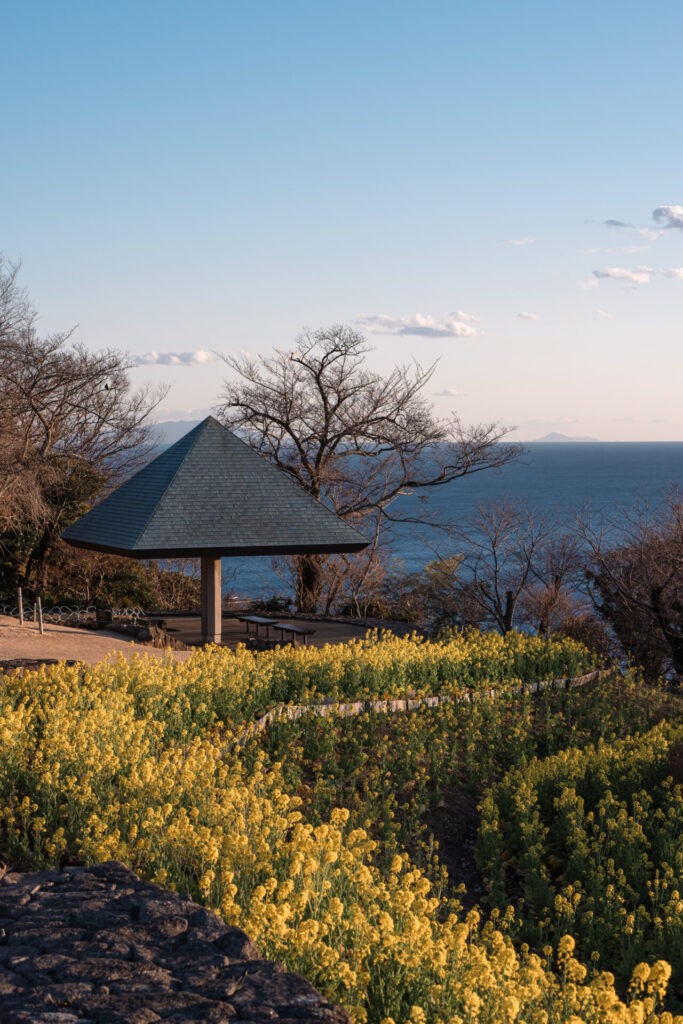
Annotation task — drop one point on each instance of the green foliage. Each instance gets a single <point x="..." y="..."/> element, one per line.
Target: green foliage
<point x="308" y="842"/>
<point x="388" y="769"/>
<point x="593" y="837"/>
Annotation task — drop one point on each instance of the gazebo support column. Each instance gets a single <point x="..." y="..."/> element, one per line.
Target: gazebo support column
<point x="211" y="600"/>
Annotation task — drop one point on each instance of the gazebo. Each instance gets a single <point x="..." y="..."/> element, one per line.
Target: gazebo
<point x="211" y="495"/>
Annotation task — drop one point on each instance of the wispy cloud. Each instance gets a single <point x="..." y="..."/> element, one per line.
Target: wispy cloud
<point x="635" y="276"/>
<point x="616" y="248"/>
<point x="197" y="358"/>
<point x="528" y="316"/>
<point x="666" y="218"/>
<point x="469" y="318"/>
<point x="670" y="217"/>
<point x="604" y="315"/>
<point x="590" y="283"/>
<point x="520" y="241"/>
<point x="449" y="393"/>
<point x="650" y="233"/>
<point x="454" y="325"/>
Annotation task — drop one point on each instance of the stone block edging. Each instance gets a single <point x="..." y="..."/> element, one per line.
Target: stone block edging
<point x="292" y="712"/>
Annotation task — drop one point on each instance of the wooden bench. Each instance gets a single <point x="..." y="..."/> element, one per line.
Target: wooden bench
<point x="258" y="621"/>
<point x="294" y="631"/>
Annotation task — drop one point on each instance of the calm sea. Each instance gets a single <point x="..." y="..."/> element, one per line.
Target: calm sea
<point x="564" y="476"/>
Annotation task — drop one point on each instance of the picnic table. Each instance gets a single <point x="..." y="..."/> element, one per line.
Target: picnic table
<point x="289" y="628"/>
<point x="294" y="631"/>
<point x="258" y="621"/>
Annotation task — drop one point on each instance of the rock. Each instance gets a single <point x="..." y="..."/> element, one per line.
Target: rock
<point x="99" y="946"/>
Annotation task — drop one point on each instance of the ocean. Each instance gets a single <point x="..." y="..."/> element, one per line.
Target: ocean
<point x="562" y="476"/>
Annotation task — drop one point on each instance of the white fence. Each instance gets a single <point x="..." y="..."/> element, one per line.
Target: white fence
<point x="64" y="614"/>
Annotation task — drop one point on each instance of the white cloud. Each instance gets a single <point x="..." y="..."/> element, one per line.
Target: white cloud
<point x="616" y="248"/>
<point x="638" y="275"/>
<point x="528" y="316"/>
<point x="196" y="358"/>
<point x="450" y="393"/>
<point x="604" y="315"/>
<point x="667" y="218"/>
<point x="455" y="325"/>
<point x="586" y="286"/>
<point x="520" y="241"/>
<point x="650" y="233"/>
<point x="635" y="276"/>
<point x="468" y="318"/>
<point x="670" y="217"/>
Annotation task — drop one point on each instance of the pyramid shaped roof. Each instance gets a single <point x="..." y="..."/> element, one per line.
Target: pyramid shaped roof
<point x="211" y="494"/>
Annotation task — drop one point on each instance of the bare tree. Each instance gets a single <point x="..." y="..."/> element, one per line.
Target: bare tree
<point x="16" y="312"/>
<point x="636" y="579"/>
<point x="430" y="598"/>
<point x="352" y="437"/>
<point x="518" y="565"/>
<point x="500" y="546"/>
<point x="347" y="581"/>
<point x="70" y="426"/>
<point x="554" y="594"/>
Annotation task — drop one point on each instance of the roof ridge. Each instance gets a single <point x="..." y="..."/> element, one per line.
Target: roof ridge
<point x="196" y="431"/>
<point x="280" y="469"/>
<point x="207" y="493"/>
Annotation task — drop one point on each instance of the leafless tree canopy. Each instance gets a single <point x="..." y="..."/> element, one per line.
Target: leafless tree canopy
<point x="517" y="566"/>
<point x="352" y="437"/>
<point x="68" y="404"/>
<point x="637" y="581"/>
<point x="69" y="422"/>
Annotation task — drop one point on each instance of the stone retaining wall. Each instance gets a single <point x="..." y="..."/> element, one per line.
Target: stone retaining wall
<point x="99" y="946"/>
<point x="324" y="709"/>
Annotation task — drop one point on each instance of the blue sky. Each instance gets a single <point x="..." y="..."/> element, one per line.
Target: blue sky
<point x="211" y="176"/>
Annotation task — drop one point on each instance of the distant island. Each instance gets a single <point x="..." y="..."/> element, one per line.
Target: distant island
<point x="554" y="437"/>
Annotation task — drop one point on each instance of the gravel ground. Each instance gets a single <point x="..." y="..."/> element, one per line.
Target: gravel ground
<point x="63" y="643"/>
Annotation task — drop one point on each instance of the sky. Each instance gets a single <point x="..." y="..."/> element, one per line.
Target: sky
<point x="495" y="186"/>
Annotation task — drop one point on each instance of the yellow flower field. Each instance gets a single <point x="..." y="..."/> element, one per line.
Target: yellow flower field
<point x="128" y="761"/>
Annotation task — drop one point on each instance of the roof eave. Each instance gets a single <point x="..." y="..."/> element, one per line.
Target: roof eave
<point x="222" y="552"/>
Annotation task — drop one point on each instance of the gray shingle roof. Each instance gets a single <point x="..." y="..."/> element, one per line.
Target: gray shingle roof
<point x="211" y="494"/>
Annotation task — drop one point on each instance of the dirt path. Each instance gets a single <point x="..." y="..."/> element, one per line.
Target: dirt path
<point x="64" y="643"/>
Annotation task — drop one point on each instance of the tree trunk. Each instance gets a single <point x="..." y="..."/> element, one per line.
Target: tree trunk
<point x="509" y="612"/>
<point x="309" y="580"/>
<point x="670" y="631"/>
<point x="38" y="561"/>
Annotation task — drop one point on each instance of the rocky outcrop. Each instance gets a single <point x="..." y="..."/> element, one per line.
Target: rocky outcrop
<point x="99" y="946"/>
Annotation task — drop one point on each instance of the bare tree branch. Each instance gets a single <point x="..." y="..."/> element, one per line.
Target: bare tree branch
<point x="352" y="437"/>
<point x="636" y="580"/>
<point x="70" y="426"/>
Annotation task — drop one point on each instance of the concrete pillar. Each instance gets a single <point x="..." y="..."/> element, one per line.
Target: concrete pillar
<point x="211" y="600"/>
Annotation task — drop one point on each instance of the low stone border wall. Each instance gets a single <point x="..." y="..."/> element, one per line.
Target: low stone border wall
<point x="324" y="709"/>
<point x="99" y="946"/>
